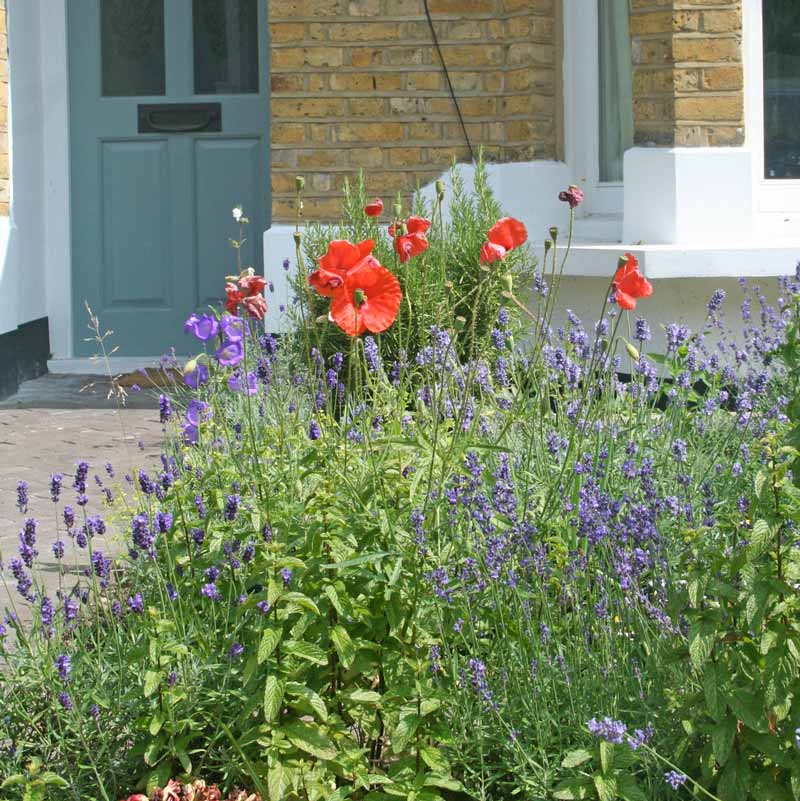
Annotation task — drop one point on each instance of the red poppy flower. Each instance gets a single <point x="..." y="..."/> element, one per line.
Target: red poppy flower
<point x="253" y="284"/>
<point x="508" y="233"/>
<point x="374" y="209"/>
<point x="235" y="297"/>
<point x="368" y="300"/>
<point x="572" y="195"/>
<point x="256" y="306"/>
<point x="629" y="284"/>
<point x="342" y="256"/>
<point x="414" y="241"/>
<point x="491" y="253"/>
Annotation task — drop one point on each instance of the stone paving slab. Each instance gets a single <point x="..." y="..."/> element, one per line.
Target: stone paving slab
<point x="46" y="428"/>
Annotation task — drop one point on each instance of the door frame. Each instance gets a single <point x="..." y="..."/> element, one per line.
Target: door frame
<point x="56" y="216"/>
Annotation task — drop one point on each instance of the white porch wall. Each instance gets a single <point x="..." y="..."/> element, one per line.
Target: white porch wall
<point x="23" y="290"/>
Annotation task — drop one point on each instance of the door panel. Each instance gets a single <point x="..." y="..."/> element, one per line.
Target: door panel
<point x="151" y="211"/>
<point x="227" y="175"/>
<point x="136" y="192"/>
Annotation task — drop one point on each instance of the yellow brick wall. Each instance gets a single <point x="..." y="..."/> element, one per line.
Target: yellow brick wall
<point x="357" y="84"/>
<point x="688" y="78"/>
<point x="4" y="169"/>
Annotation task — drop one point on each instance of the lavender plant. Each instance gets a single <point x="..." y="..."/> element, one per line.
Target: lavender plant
<point x="460" y="568"/>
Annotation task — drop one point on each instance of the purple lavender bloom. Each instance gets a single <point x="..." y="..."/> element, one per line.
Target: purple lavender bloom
<point x="233" y="328"/>
<point x="116" y="608"/>
<point x="94" y="711"/>
<point x="63" y="665"/>
<point x="65" y="701"/>
<point x="643" y="333"/>
<point x="197" y="377"/>
<point x="164" y="521"/>
<point x="372" y="354"/>
<point x="237" y="649"/>
<point x="136" y="604"/>
<point x="716" y="301"/>
<point x="200" y="506"/>
<point x="263" y="607"/>
<point x="230" y="354"/>
<point x="675" y="779"/>
<point x="678" y="450"/>
<point x="608" y="729"/>
<point x="55" y="486"/>
<point x="249" y="551"/>
<point x="22" y="496"/>
<point x="203" y="327"/>
<point x="286" y="265"/>
<point x="314" y="431"/>
<point x="232" y="503"/>
<point x="211" y="591"/>
<point x="143" y="537"/>
<point x="480" y="682"/>
<point x="286" y="575"/>
<point x="164" y="408"/>
<point x="146" y="484"/>
<point x="172" y="593"/>
<point x="71" y="609"/>
<point x="435" y="659"/>
<point x="198" y="535"/>
<point x="81" y="472"/>
<point x="58" y="549"/>
<point x="640" y="737"/>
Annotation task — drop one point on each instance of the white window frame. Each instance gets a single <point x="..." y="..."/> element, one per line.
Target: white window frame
<point x="582" y="108"/>
<point x="780" y="195"/>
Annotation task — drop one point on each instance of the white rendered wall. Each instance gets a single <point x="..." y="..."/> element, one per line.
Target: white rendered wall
<point x="23" y="289"/>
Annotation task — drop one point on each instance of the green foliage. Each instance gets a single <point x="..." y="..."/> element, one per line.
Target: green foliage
<point x="741" y="720"/>
<point x="446" y="282"/>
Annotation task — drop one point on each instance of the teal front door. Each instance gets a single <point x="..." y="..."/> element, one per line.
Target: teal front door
<point x="168" y="133"/>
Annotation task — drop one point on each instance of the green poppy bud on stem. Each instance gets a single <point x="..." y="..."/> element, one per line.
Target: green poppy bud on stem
<point x="547" y="245"/>
<point x="297" y="237"/>
<point x="299" y="183"/>
<point x="554" y="234"/>
<point x="440" y="189"/>
<point x="461" y="323"/>
<point x="508" y="280"/>
<point x="632" y="351"/>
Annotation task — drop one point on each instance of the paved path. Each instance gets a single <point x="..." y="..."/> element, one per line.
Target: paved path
<point x="46" y="428"/>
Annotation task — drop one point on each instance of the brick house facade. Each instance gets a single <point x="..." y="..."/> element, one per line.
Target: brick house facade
<point x="676" y="117"/>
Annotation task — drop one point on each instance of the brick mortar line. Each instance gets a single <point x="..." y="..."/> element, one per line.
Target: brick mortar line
<point x="686" y="35"/>
<point x="423" y="94"/>
<point x="399" y="170"/>
<point x="431" y="119"/>
<point x="381" y="68"/>
<point x="340" y="18"/>
<point x="685" y="65"/>
<point x="388" y="43"/>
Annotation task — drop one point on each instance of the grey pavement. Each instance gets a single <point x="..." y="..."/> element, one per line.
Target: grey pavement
<point x="49" y="425"/>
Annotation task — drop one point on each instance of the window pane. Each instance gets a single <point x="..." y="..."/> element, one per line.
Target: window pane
<point x="781" y="88"/>
<point x="132" y="41"/>
<point x="225" y="47"/>
<point x="616" y="87"/>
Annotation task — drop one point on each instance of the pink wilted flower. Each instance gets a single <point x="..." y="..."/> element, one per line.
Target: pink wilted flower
<point x="571" y="195"/>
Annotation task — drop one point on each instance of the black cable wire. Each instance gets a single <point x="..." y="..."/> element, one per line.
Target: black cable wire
<point x="449" y="82"/>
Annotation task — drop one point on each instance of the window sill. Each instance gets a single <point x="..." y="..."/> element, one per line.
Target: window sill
<point x="750" y="259"/>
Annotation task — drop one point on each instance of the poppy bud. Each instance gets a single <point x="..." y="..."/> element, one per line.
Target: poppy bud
<point x="440" y="189"/>
<point x="554" y="233"/>
<point x="360" y="297"/>
<point x="398" y="209"/>
<point x="323" y="318"/>
<point x="461" y="323"/>
<point x="508" y="280"/>
<point x="297" y="237"/>
<point x="632" y="351"/>
<point x="299" y="183"/>
<point x="621" y="261"/>
<point x="190" y="366"/>
<point x="547" y="245"/>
